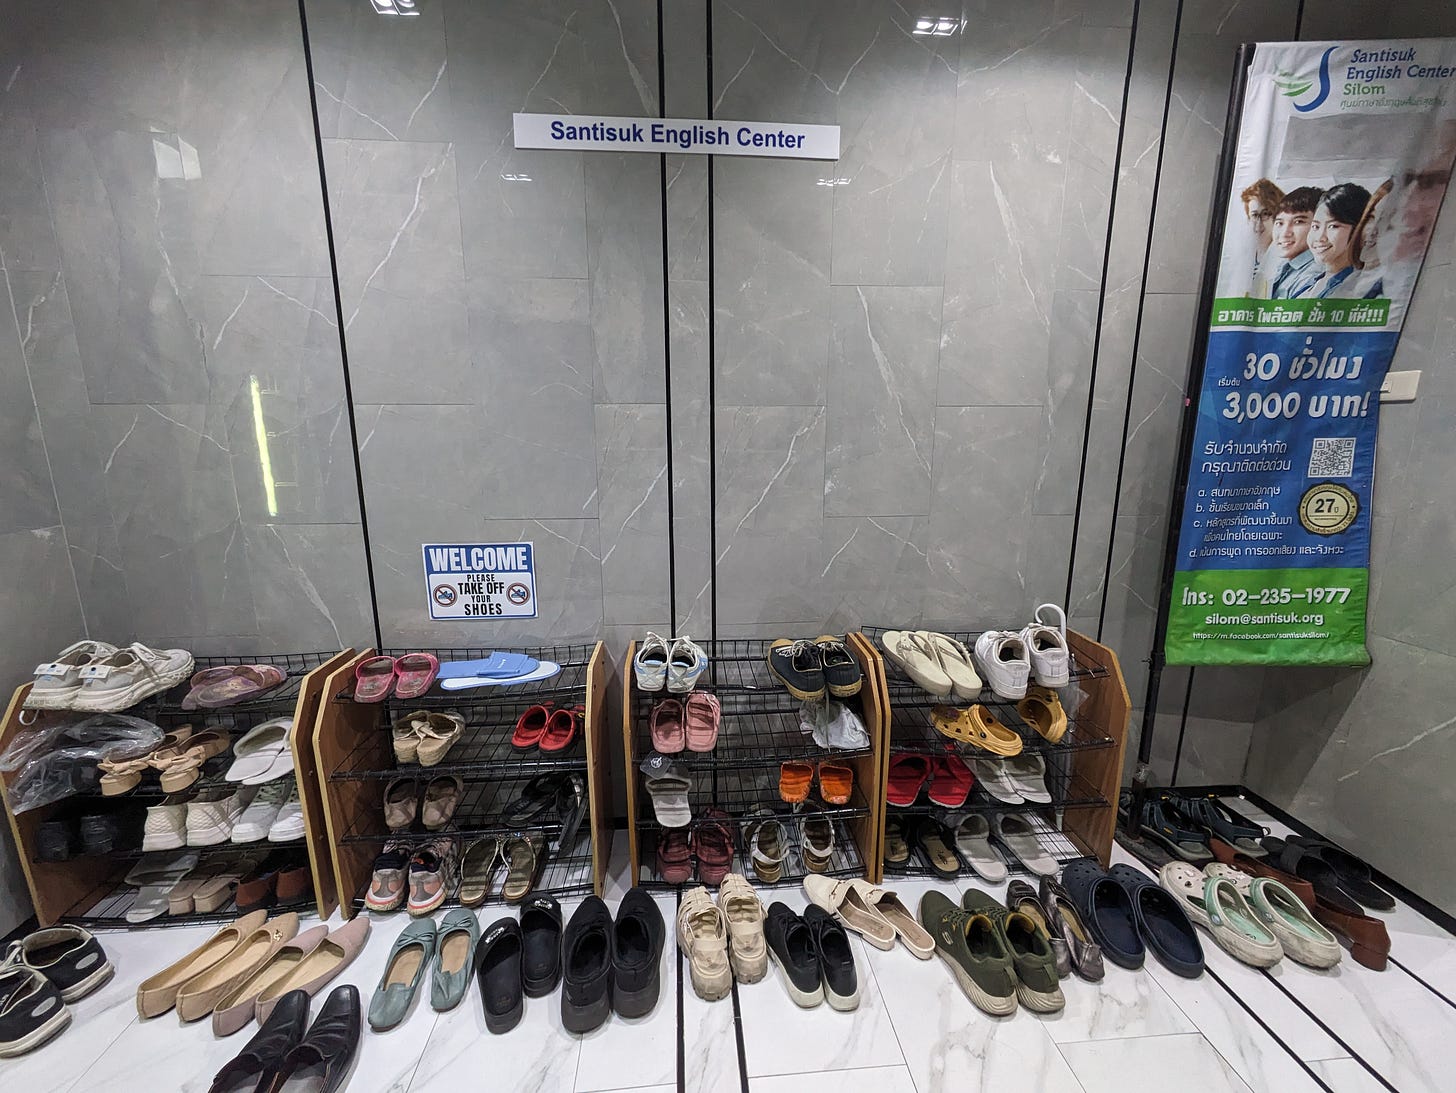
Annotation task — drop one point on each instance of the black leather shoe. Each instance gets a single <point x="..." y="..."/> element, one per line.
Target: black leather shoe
<point x="320" y="1063"/>
<point x="791" y="944"/>
<point x="586" y="989"/>
<point x="498" y="970"/>
<point x="540" y="946"/>
<point x="836" y="959"/>
<point x="637" y="955"/>
<point x="254" y="1067"/>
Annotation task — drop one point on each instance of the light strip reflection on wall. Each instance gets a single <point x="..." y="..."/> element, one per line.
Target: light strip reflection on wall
<point x="264" y="459"/>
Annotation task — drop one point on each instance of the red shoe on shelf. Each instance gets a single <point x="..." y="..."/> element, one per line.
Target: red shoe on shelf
<point x="530" y="725"/>
<point x="907" y="775"/>
<point x="950" y="781"/>
<point x="560" y="729"/>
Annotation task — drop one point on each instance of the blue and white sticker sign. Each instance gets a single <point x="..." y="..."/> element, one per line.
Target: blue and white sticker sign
<point x="480" y="580"/>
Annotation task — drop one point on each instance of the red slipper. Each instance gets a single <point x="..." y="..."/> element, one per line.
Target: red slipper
<point x="374" y="679"/>
<point x="950" y="781"/>
<point x="530" y="725"/>
<point x="560" y="730"/>
<point x="414" y="672"/>
<point x="907" y="775"/>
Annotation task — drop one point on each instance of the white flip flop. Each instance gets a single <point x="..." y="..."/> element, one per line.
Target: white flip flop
<point x="973" y="840"/>
<point x="917" y="659"/>
<point x="1019" y="837"/>
<point x="263" y="753"/>
<point x="1028" y="774"/>
<point x="155" y="876"/>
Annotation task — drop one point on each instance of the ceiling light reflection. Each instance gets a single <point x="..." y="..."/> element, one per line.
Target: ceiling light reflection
<point x="941" y="26"/>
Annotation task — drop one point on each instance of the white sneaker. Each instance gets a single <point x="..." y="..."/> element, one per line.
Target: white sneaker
<point x="58" y="683"/>
<point x="166" y="825"/>
<point x="130" y="675"/>
<point x="685" y="664"/>
<point x="288" y="825"/>
<point x="211" y="815"/>
<point x="1046" y="643"/>
<point x="257" y="819"/>
<point x="1001" y="657"/>
<point x="650" y="663"/>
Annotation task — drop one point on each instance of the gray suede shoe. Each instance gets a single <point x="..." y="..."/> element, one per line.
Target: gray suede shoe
<point x="402" y="974"/>
<point x="454" y="959"/>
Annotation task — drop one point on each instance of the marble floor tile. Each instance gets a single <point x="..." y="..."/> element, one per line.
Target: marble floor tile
<point x="781" y="1038"/>
<point x="1188" y="1064"/>
<point x="874" y="1079"/>
<point x="1125" y="1004"/>
<point x="1346" y="1076"/>
<point x="709" y="1047"/>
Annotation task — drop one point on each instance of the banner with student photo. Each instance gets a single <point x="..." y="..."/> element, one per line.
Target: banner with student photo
<point x="1345" y="151"/>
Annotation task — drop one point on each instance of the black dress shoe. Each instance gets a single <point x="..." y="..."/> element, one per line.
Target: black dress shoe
<point x="637" y="955"/>
<point x="836" y="959"/>
<point x="498" y="970"/>
<point x="791" y="945"/>
<point x="320" y="1063"/>
<point x="254" y="1067"/>
<point x="586" y="990"/>
<point x="540" y="946"/>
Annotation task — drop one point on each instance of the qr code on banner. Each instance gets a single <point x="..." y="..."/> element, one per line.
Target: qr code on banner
<point x="1332" y="457"/>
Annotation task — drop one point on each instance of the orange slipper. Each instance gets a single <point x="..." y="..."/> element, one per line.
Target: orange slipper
<point x="795" y="777"/>
<point x="976" y="726"/>
<point x="835" y="780"/>
<point x="1042" y="710"/>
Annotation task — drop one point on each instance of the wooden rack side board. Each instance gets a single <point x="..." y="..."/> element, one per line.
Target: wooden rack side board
<point x="348" y="806"/>
<point x="599" y="766"/>
<point x="630" y="761"/>
<point x="872" y="784"/>
<point x="312" y="696"/>
<point x="1106" y="706"/>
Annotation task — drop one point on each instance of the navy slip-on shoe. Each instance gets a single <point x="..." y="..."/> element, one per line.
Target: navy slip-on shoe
<point x="1161" y="922"/>
<point x="1107" y="909"/>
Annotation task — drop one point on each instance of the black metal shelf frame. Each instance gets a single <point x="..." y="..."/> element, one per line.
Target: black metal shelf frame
<point x="571" y="680"/>
<point x="166" y="708"/>
<point x="1048" y="838"/>
<point x="912" y="729"/>
<point x="845" y="861"/>
<point x="743" y="792"/>
<point x="750" y="738"/>
<point x="561" y="877"/>
<point x="482" y="811"/>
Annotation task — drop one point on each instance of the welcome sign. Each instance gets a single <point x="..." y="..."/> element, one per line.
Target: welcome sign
<point x="1345" y="151"/>
<point x="588" y="133"/>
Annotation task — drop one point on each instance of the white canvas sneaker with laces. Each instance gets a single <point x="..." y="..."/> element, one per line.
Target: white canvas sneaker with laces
<point x="128" y="676"/>
<point x="650" y="663"/>
<point x="257" y="819"/>
<point x="59" y="682"/>
<point x="685" y="663"/>
<point x="1001" y="657"/>
<point x="289" y="823"/>
<point x="1046" y="645"/>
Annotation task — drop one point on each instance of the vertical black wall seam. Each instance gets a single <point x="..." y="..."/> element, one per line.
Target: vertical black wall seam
<point x="1138" y="322"/>
<point x="318" y="140"/>
<point x="1299" y="20"/>
<point x="1182" y="728"/>
<point x="672" y="620"/>
<point x="712" y="352"/>
<point x="1101" y="305"/>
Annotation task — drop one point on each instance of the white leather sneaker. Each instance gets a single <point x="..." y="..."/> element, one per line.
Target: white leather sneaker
<point x="257" y="819"/>
<point x="166" y="825"/>
<point x="212" y="814"/>
<point x="1001" y="657"/>
<point x="288" y="825"/>
<point x="1046" y="645"/>
<point x="650" y="663"/>
<point x="685" y="663"/>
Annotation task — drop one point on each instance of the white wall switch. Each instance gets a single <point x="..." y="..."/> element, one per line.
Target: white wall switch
<point x="1399" y="386"/>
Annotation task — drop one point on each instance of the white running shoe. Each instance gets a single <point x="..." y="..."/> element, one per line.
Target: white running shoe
<point x="685" y="664"/>
<point x="212" y="814"/>
<point x="166" y="825"/>
<point x="1046" y="643"/>
<point x="650" y="664"/>
<point x="257" y="819"/>
<point x="1001" y="657"/>
<point x="58" y="683"/>
<point x="128" y="676"/>
<point x="289" y="824"/>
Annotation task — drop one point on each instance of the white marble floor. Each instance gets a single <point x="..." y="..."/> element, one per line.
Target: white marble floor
<point x="1349" y="1031"/>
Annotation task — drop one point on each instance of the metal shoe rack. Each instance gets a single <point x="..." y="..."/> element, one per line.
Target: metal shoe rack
<point x="356" y="753"/>
<point x="87" y="889"/>
<point x="759" y="730"/>
<point x="1084" y="768"/>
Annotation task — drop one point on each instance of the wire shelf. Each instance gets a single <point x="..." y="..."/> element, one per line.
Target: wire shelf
<point x="845" y="862"/>
<point x="483" y="810"/>
<point x="905" y="691"/>
<point x="740" y="665"/>
<point x="571" y="680"/>
<point x="749" y="737"/>
<point x="562" y="876"/>
<point x="1068" y="790"/>
<point x="1054" y="842"/>
<point x="740" y="792"/>
<point x="912" y="729"/>
<point x="166" y="708"/>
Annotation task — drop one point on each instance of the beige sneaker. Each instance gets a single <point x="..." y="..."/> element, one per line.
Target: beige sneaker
<point x="741" y="907"/>
<point x="702" y="933"/>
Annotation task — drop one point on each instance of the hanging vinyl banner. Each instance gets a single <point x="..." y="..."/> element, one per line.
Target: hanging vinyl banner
<point x="1344" y="154"/>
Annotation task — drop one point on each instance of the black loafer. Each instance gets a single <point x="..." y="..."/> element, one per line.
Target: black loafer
<point x="637" y="955"/>
<point x="321" y="1061"/>
<point x="586" y="988"/>
<point x="1161" y="921"/>
<point x="836" y="959"/>
<point x="256" y="1065"/>
<point x="792" y="947"/>
<point x="540" y="946"/>
<point x="498" y="970"/>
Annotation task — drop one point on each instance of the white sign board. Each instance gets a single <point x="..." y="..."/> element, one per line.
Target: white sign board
<point x="588" y="133"/>
<point x="480" y="580"/>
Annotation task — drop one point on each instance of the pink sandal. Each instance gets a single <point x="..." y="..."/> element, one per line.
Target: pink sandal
<point x="374" y="679"/>
<point x="703" y="713"/>
<point x="667" y="726"/>
<point x="414" y="673"/>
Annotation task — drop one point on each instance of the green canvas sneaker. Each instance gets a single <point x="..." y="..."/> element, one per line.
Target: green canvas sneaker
<point x="976" y="952"/>
<point x="1038" y="985"/>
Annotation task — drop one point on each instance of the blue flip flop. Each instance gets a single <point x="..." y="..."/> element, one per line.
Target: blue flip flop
<point x="1161" y="922"/>
<point x="1107" y="910"/>
<point x="498" y="665"/>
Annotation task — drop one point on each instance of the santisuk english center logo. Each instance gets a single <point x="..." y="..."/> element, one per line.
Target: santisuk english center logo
<point x="1293" y="86"/>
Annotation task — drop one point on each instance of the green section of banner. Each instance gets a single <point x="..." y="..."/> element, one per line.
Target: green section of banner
<point x="1277" y="314"/>
<point x="1269" y="616"/>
